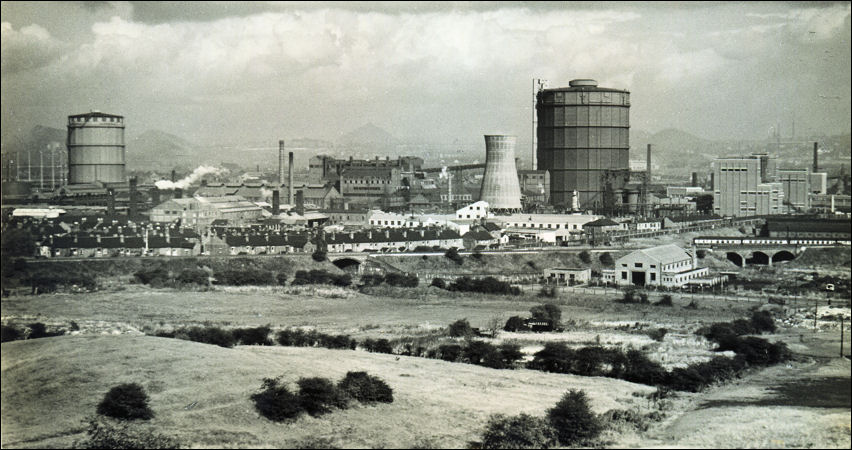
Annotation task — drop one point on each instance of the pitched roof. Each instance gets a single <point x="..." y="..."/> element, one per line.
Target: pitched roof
<point x="602" y="222"/>
<point x="666" y="254"/>
<point x="478" y="235"/>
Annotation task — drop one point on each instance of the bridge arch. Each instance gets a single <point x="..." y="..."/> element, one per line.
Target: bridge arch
<point x="347" y="264"/>
<point x="736" y="258"/>
<point x="759" y="257"/>
<point x="783" y="255"/>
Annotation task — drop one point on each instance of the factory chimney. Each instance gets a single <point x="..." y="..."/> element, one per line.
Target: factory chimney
<point x="300" y="203"/>
<point x="178" y="193"/>
<point x="816" y="158"/>
<point x="694" y="179"/>
<point x="290" y="198"/>
<point x="276" y="202"/>
<point x="648" y="164"/>
<point x="280" y="162"/>
<point x="132" y="209"/>
<point x="500" y="186"/>
<point x="174" y="177"/>
<point x="155" y="196"/>
<point x="111" y="202"/>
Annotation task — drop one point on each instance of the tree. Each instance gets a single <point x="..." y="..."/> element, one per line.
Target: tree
<point x="126" y="401"/>
<point x="547" y="311"/>
<point x="704" y="203"/>
<point x="460" y="328"/>
<point x="606" y="259"/>
<point x="17" y="242"/>
<point x="585" y="257"/>
<point x="573" y="419"/>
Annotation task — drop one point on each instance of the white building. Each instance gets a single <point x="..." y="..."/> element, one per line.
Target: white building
<point x="477" y="210"/>
<point x="665" y="265"/>
<point x="546" y="227"/>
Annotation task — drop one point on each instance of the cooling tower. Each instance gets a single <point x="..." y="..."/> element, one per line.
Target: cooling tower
<point x="500" y="187"/>
<point x="95" y="148"/>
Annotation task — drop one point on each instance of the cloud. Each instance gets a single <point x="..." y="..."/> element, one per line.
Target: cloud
<point x="29" y="48"/>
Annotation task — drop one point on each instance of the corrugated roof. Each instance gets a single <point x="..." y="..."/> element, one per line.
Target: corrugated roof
<point x="603" y="222"/>
<point x="666" y="254"/>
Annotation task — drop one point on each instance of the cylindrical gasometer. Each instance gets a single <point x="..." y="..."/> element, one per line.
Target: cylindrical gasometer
<point x="583" y="141"/>
<point x="95" y="148"/>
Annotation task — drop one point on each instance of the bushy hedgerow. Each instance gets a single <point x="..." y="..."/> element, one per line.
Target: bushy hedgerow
<point x="105" y="433"/>
<point x="450" y="352"/>
<point x="43" y="283"/>
<point x="300" y="338"/>
<point x="696" y="377"/>
<point x="521" y="431"/>
<point x="10" y="333"/>
<point x="252" y="336"/>
<point x="657" y="334"/>
<point x="317" y="396"/>
<point x="206" y="335"/>
<point x="275" y="402"/>
<point x="487" y="285"/>
<point x="631" y="296"/>
<point x="439" y="283"/>
<point x="316" y="276"/>
<point x="193" y="276"/>
<point x="377" y="345"/>
<point x="573" y="419"/>
<point x="402" y="280"/>
<point x="762" y="321"/>
<point x="372" y="279"/>
<point x="460" y="328"/>
<point x="365" y="388"/>
<point x="511" y="353"/>
<point x="155" y="276"/>
<point x="126" y="401"/>
<point x="39" y="330"/>
<point x="245" y="277"/>
<point x="597" y="361"/>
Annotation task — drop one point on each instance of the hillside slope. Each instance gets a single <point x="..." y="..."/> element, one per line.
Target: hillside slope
<point x="51" y="385"/>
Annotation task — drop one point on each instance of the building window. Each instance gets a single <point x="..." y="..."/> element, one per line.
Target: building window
<point x="623" y="275"/>
<point x="653" y="276"/>
<point x="638" y="265"/>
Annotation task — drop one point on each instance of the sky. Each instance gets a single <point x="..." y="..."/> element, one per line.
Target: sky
<point x="228" y="72"/>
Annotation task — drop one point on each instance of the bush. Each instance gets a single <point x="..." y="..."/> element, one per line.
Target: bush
<point x="104" y="433"/>
<point x="606" y="259"/>
<point x="521" y="431"/>
<point x="450" y="352"/>
<point x="554" y="357"/>
<point x="281" y="278"/>
<point x="276" y="402"/>
<point x="207" y="335"/>
<point x="547" y="311"/>
<point x="476" y="351"/>
<point x="10" y="333"/>
<point x="318" y="256"/>
<point x="402" y="280"/>
<point x="515" y="323"/>
<point x="155" y="276"/>
<point x="657" y="334"/>
<point x="639" y="369"/>
<point x="39" y="330"/>
<point x="372" y="280"/>
<point x="245" y="277"/>
<point x="453" y="255"/>
<point x="193" y="276"/>
<point x="573" y="419"/>
<point x="487" y="285"/>
<point x="318" y="395"/>
<point x="378" y="346"/>
<point x="763" y="321"/>
<point x="365" y="388"/>
<point x="460" y="328"/>
<point x="439" y="283"/>
<point x="126" y="401"/>
<point x="316" y="276"/>
<point x="252" y="336"/>
<point x="585" y="257"/>
<point x="510" y="353"/>
<point x="665" y="301"/>
<point x="547" y="292"/>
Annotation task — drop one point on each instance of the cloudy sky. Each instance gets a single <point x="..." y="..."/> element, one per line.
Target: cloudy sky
<point x="438" y="71"/>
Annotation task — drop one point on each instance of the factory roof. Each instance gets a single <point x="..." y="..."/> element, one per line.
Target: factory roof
<point x="665" y="254"/>
<point x="478" y="235"/>
<point x="602" y="222"/>
<point x="392" y="235"/>
<point x="361" y="172"/>
<point x="95" y="114"/>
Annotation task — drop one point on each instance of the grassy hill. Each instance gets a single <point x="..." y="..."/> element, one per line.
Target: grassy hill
<point x="51" y="385"/>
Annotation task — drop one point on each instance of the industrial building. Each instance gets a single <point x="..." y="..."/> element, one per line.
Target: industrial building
<point x="664" y="265"/>
<point x="745" y="186"/>
<point x="567" y="276"/>
<point x="95" y="148"/>
<point x="583" y="141"/>
<point x="500" y="187"/>
<point x="796" y="186"/>
<point x="535" y="186"/>
<point x="200" y="212"/>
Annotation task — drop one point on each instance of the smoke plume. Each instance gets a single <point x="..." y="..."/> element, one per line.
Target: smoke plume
<point x="196" y="174"/>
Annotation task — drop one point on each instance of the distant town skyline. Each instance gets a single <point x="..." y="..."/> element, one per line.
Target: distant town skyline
<point x="234" y="72"/>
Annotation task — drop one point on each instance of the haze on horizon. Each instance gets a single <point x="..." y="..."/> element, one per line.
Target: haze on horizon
<point x="224" y="72"/>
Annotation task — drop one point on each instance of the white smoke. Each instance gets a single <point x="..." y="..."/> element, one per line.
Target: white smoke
<point x="266" y="193"/>
<point x="196" y="174"/>
<point x="443" y="173"/>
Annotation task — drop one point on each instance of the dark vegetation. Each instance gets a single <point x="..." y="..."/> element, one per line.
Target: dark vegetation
<point x="453" y="255"/>
<point x="547" y="311"/>
<point x="439" y="283"/>
<point x="522" y="431"/>
<point x="301" y="338"/>
<point x="391" y="279"/>
<point x="127" y="402"/>
<point x="105" y="433"/>
<point x="316" y="276"/>
<point x="245" y="277"/>
<point x="487" y="285"/>
<point x="317" y="396"/>
<point x="34" y="330"/>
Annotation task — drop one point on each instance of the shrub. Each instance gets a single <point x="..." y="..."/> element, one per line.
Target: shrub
<point x="318" y="256"/>
<point x="276" y="402"/>
<point x="281" y="278"/>
<point x="701" y="254"/>
<point x="153" y="276"/>
<point x="547" y="311"/>
<point x="547" y="292"/>
<point x="763" y="321"/>
<point x="318" y="395"/>
<point x="193" y="276"/>
<point x="665" y="301"/>
<point x="515" y="323"/>
<point x="554" y="357"/>
<point x="439" y="283"/>
<point x="585" y="257"/>
<point x="606" y="259"/>
<point x="372" y="279"/>
<point x="521" y="431"/>
<point x="573" y="419"/>
<point x="207" y="335"/>
<point x="378" y="346"/>
<point x="39" y="330"/>
<point x="627" y="417"/>
<point x="460" y="328"/>
<point x="628" y="297"/>
<point x="126" y="401"/>
<point x="104" y="433"/>
<point x="657" y="334"/>
<point x="245" y="277"/>
<point x="453" y="255"/>
<point x="402" y="280"/>
<point x="475" y="351"/>
<point x="639" y="369"/>
<point x="487" y="285"/>
<point x="10" y="333"/>
<point x="510" y="353"/>
<point x="450" y="352"/>
<point x="316" y="276"/>
<point x="365" y="388"/>
<point x="336" y="341"/>
<point x="252" y="336"/>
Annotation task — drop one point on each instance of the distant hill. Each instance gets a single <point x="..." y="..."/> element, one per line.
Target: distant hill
<point x="368" y="134"/>
<point x="157" y="149"/>
<point x="675" y="150"/>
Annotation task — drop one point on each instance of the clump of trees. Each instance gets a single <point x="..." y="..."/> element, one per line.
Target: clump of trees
<point x="126" y="401"/>
<point x="317" y="276"/>
<point x="487" y="285"/>
<point x="391" y="279"/>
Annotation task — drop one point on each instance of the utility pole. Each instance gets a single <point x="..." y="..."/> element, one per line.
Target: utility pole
<point x="841" y="335"/>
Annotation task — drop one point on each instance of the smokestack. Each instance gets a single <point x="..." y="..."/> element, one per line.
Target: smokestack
<point x="276" y="202"/>
<point x="111" y="202"/>
<point x="648" y="164"/>
<point x="131" y="210"/>
<point x="816" y="158"/>
<point x="300" y="203"/>
<point x="290" y="199"/>
<point x="500" y="186"/>
<point x="712" y="181"/>
<point x="280" y="162"/>
<point x="178" y="193"/>
<point x="694" y="179"/>
<point x="174" y="177"/>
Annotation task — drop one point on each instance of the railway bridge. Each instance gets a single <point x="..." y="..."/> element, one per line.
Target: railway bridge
<point x="753" y="250"/>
